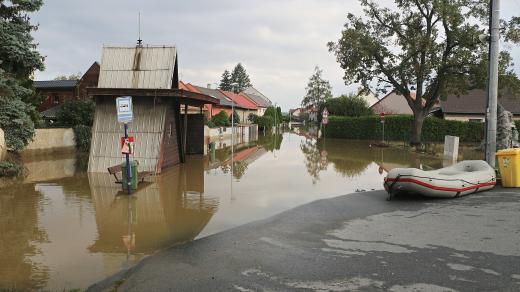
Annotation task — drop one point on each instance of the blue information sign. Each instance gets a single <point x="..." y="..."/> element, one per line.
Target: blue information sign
<point x="124" y="109"/>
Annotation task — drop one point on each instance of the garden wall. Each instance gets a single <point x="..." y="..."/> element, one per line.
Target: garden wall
<point x="56" y="138"/>
<point x="399" y="128"/>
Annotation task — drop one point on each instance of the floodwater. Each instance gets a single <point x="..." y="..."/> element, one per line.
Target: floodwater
<point x="61" y="228"/>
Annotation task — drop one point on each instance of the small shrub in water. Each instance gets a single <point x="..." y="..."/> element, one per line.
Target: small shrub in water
<point x="10" y="169"/>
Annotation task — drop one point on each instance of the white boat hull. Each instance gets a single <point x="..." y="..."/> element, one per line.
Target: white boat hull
<point x="461" y="179"/>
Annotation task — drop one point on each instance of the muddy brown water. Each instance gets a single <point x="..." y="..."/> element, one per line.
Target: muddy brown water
<point x="61" y="228"/>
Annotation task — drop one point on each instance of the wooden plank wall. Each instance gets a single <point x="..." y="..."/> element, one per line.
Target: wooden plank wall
<point x="147" y="128"/>
<point x="170" y="145"/>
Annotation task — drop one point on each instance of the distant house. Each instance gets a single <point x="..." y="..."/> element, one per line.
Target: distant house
<point x="261" y="101"/>
<point x="295" y="113"/>
<point x="227" y="100"/>
<point x="368" y="96"/>
<point x="309" y="113"/>
<point x="472" y="106"/>
<point x="89" y="79"/>
<point x="224" y="104"/>
<point x="56" y="92"/>
<point x="392" y="104"/>
<point x="245" y="106"/>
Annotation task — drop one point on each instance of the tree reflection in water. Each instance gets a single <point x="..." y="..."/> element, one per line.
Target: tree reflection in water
<point x="244" y="154"/>
<point x="349" y="158"/>
<point x="19" y="236"/>
<point x="271" y="141"/>
<point x="315" y="160"/>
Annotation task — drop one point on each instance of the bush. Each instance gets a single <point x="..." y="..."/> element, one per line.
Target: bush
<point x="347" y="105"/>
<point x="10" y="169"/>
<point x="399" y="127"/>
<point x="252" y="117"/>
<point x="16" y="123"/>
<point x="76" y="112"/>
<point x="264" y="123"/>
<point x="221" y="119"/>
<point x="210" y="124"/>
<point x="82" y="137"/>
<point x="236" y="118"/>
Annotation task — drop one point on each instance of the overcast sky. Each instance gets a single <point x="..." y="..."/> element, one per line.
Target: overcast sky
<point x="279" y="42"/>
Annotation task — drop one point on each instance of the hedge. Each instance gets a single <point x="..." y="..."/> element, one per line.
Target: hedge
<point x="399" y="128"/>
<point x="82" y="137"/>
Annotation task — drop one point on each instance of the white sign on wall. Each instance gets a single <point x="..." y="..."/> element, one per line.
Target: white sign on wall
<point x="124" y="109"/>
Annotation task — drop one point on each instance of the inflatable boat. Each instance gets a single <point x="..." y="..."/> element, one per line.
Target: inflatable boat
<point x="460" y="179"/>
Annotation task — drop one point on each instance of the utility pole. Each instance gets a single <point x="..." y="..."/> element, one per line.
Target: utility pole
<point x="494" y="50"/>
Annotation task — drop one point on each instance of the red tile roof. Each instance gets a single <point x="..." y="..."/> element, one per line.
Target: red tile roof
<point x="188" y="87"/>
<point x="240" y="100"/>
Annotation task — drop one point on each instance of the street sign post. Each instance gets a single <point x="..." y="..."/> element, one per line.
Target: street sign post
<point x="382" y="117"/>
<point x="125" y="115"/>
<point x="324" y="120"/>
<point x="124" y="109"/>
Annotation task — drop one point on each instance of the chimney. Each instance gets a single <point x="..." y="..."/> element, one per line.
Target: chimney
<point x="209" y="85"/>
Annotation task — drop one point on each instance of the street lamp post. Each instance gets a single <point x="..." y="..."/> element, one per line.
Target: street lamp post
<point x="494" y="39"/>
<point x="275" y="117"/>
<point x="234" y="85"/>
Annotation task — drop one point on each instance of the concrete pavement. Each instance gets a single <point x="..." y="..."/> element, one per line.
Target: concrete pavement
<point x="356" y="242"/>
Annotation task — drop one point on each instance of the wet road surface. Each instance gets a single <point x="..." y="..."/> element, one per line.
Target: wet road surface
<point x="356" y="242"/>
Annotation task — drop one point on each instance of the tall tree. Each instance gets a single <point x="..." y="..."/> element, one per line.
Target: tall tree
<point x="225" y="81"/>
<point x="76" y="76"/>
<point x="351" y="105"/>
<point x="18" y="60"/>
<point x="239" y="78"/>
<point x="430" y="46"/>
<point x="318" y="90"/>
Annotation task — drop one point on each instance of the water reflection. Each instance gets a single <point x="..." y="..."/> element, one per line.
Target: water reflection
<point x="352" y="158"/>
<point x="171" y="210"/>
<point x="314" y="160"/>
<point x="62" y="229"/>
<point x="20" y="236"/>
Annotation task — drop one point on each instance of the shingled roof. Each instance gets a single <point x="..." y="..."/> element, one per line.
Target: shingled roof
<point x="55" y="84"/>
<point x="241" y="100"/>
<point x="260" y="101"/>
<point x="475" y="102"/>
<point x="224" y="100"/>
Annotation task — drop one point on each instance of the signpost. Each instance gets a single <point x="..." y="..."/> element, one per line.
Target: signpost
<point x="324" y="122"/>
<point x="325" y="116"/>
<point x="125" y="115"/>
<point x="382" y="117"/>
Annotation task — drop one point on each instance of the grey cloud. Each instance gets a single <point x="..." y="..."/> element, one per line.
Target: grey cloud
<point x="279" y="42"/>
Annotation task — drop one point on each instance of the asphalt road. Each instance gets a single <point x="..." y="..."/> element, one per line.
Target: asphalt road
<point x="356" y="242"/>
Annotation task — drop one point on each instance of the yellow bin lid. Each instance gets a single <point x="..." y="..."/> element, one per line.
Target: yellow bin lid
<point x="508" y="152"/>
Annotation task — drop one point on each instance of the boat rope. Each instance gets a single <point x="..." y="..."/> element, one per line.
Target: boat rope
<point x="393" y="183"/>
<point x="440" y="179"/>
